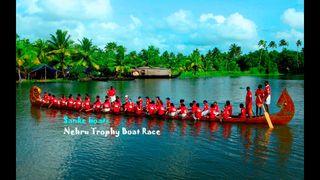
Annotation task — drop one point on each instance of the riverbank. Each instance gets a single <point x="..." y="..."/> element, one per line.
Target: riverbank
<point x="207" y="74"/>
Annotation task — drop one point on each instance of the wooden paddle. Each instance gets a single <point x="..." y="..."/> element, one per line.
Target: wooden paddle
<point x="50" y="105"/>
<point x="266" y="115"/>
<point x="89" y="109"/>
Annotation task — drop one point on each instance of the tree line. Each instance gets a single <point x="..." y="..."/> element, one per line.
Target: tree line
<point x="82" y="59"/>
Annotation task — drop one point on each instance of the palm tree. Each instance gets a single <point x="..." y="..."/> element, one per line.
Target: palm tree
<point x="262" y="45"/>
<point x="272" y="44"/>
<point x="283" y="43"/>
<point x="59" y="47"/>
<point x="234" y="52"/>
<point x="195" y="62"/>
<point x="26" y="57"/>
<point x="84" y="54"/>
<point x="41" y="48"/>
<point x="298" y="43"/>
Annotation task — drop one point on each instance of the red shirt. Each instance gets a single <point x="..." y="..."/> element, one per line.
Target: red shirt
<point x="130" y="107"/>
<point x="160" y="109"/>
<point x="216" y="108"/>
<point x="172" y="109"/>
<point x="194" y="108"/>
<point x="147" y="103"/>
<point x="111" y="92"/>
<point x="106" y="104"/>
<point x="198" y="113"/>
<point x="267" y="90"/>
<point x="141" y="101"/>
<point x="206" y="106"/>
<point x="70" y="102"/>
<point x="248" y="98"/>
<point x="77" y="104"/>
<point x="46" y="98"/>
<point x="259" y="93"/>
<point x="116" y="106"/>
<point x="86" y="104"/>
<point x="226" y="113"/>
<point x="97" y="105"/>
<point x="229" y="108"/>
<point x="63" y="102"/>
<point x="243" y="113"/>
<point x="152" y="109"/>
<point x="168" y="104"/>
<point x="184" y="110"/>
<point x="211" y="114"/>
<point x="139" y="109"/>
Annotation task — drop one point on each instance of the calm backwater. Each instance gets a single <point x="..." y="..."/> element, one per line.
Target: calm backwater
<point x="184" y="149"/>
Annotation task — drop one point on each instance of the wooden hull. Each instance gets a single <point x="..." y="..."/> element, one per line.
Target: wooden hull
<point x="283" y="117"/>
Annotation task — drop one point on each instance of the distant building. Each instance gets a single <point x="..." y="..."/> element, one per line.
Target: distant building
<point x="151" y="72"/>
<point x="43" y="71"/>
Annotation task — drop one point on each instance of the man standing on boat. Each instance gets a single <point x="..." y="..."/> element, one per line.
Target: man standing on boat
<point x="249" y="102"/>
<point x="267" y="94"/>
<point x="112" y="94"/>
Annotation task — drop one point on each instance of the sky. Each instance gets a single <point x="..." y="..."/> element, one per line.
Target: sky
<point x="176" y="26"/>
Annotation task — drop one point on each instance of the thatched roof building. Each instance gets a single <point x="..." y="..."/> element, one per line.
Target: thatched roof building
<point x="43" y="71"/>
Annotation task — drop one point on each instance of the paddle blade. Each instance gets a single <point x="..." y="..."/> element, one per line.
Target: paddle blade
<point x="266" y="114"/>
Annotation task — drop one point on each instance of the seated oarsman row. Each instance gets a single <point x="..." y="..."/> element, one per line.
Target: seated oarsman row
<point x="150" y="108"/>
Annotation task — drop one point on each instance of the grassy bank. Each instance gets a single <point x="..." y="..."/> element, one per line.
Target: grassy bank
<point x="43" y="81"/>
<point x="223" y="73"/>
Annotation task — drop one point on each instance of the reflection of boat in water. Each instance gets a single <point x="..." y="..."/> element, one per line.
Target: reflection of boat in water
<point x="284" y="116"/>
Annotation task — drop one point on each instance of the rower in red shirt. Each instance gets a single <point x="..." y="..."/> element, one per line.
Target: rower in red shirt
<point x="259" y="100"/>
<point x="54" y="102"/>
<point x="129" y="107"/>
<point x="198" y="112"/>
<point x="117" y="106"/>
<point x="168" y="103"/>
<point x="139" y="108"/>
<point x="70" y="102"/>
<point x="97" y="105"/>
<point x="112" y="94"/>
<point x="106" y="106"/>
<point x="212" y="114"/>
<point x="194" y="107"/>
<point x="249" y="102"/>
<point x="63" y="101"/>
<point x="140" y="101"/>
<point x="148" y="101"/>
<point x="227" y="111"/>
<point x="216" y="110"/>
<point x="205" y="110"/>
<point x="86" y="104"/>
<point x="160" y="109"/>
<point x="183" y="111"/>
<point x="267" y="95"/>
<point x="152" y="108"/>
<point x="78" y="103"/>
<point x="45" y="99"/>
<point x="172" y="111"/>
<point x="243" y="111"/>
<point x="87" y="96"/>
<point x="158" y="101"/>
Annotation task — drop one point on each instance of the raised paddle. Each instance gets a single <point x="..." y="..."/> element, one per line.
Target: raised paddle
<point x="266" y="115"/>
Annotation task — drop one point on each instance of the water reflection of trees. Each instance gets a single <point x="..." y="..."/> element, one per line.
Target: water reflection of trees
<point x="254" y="138"/>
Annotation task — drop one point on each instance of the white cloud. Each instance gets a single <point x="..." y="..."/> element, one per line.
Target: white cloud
<point x="181" y="21"/>
<point x="293" y="18"/>
<point x="292" y="35"/>
<point x="205" y="17"/>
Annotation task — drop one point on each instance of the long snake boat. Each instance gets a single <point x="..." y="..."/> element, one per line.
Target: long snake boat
<point x="282" y="117"/>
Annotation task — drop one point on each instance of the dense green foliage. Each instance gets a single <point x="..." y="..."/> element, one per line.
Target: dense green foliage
<point x="82" y="59"/>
